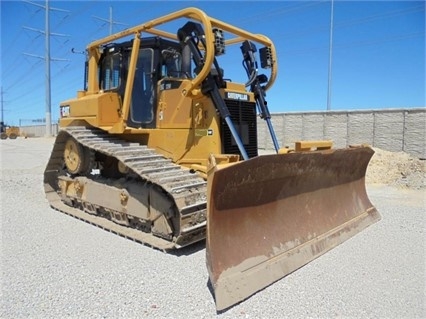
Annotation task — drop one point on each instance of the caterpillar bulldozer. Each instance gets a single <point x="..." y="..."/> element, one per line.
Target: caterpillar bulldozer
<point x="8" y="131"/>
<point x="161" y="148"/>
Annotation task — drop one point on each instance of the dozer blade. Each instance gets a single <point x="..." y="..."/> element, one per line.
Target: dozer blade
<point x="272" y="214"/>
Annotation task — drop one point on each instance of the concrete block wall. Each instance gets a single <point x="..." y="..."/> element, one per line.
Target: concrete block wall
<point x="360" y="128"/>
<point x="38" y="130"/>
<point x="414" y="132"/>
<point x="389" y="129"/>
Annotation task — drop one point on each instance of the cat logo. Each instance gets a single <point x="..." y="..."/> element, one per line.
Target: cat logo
<point x="236" y="96"/>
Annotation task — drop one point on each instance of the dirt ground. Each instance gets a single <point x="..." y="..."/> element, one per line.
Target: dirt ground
<point x="55" y="266"/>
<point x="397" y="169"/>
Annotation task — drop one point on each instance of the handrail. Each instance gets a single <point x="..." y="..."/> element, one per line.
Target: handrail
<point x="208" y="23"/>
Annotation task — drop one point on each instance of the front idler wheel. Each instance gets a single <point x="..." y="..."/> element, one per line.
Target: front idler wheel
<point x="74" y="157"/>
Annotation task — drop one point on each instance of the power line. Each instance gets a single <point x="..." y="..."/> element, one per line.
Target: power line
<point x="17" y="39"/>
<point x="78" y="13"/>
<point x="110" y="21"/>
<point x="47" y="58"/>
<point x="286" y="10"/>
<point x="343" y="24"/>
<point x="383" y="15"/>
<point x="30" y="90"/>
<point x="357" y="43"/>
<point x="23" y="79"/>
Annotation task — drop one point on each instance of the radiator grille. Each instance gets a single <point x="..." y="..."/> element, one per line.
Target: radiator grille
<point x="243" y="115"/>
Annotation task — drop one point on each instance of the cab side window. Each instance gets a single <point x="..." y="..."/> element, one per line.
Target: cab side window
<point x="110" y="72"/>
<point x="143" y="92"/>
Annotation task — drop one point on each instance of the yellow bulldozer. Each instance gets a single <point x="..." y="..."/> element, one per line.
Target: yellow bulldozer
<point x="8" y="131"/>
<point x="162" y="148"/>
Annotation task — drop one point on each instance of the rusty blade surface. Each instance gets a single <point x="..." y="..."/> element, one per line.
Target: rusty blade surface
<point x="272" y="214"/>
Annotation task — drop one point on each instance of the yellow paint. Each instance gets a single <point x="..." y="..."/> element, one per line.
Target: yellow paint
<point x="187" y="125"/>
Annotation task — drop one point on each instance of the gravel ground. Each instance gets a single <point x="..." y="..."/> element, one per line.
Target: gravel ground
<point x="53" y="266"/>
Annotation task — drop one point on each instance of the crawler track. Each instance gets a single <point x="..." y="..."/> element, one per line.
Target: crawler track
<point x="183" y="192"/>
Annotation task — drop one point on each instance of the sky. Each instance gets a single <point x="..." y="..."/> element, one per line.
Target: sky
<point x="378" y="55"/>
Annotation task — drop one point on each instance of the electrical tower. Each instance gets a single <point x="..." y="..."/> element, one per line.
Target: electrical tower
<point x="47" y="59"/>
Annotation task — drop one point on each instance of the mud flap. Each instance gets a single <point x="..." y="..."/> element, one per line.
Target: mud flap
<point x="272" y="214"/>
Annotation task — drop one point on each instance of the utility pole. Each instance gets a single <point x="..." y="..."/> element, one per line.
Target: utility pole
<point x="48" y="91"/>
<point x="330" y="58"/>
<point x="110" y="21"/>
<point x="2" y="118"/>
<point x="47" y="59"/>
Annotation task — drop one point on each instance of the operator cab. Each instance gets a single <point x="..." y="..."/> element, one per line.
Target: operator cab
<point x="158" y="58"/>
